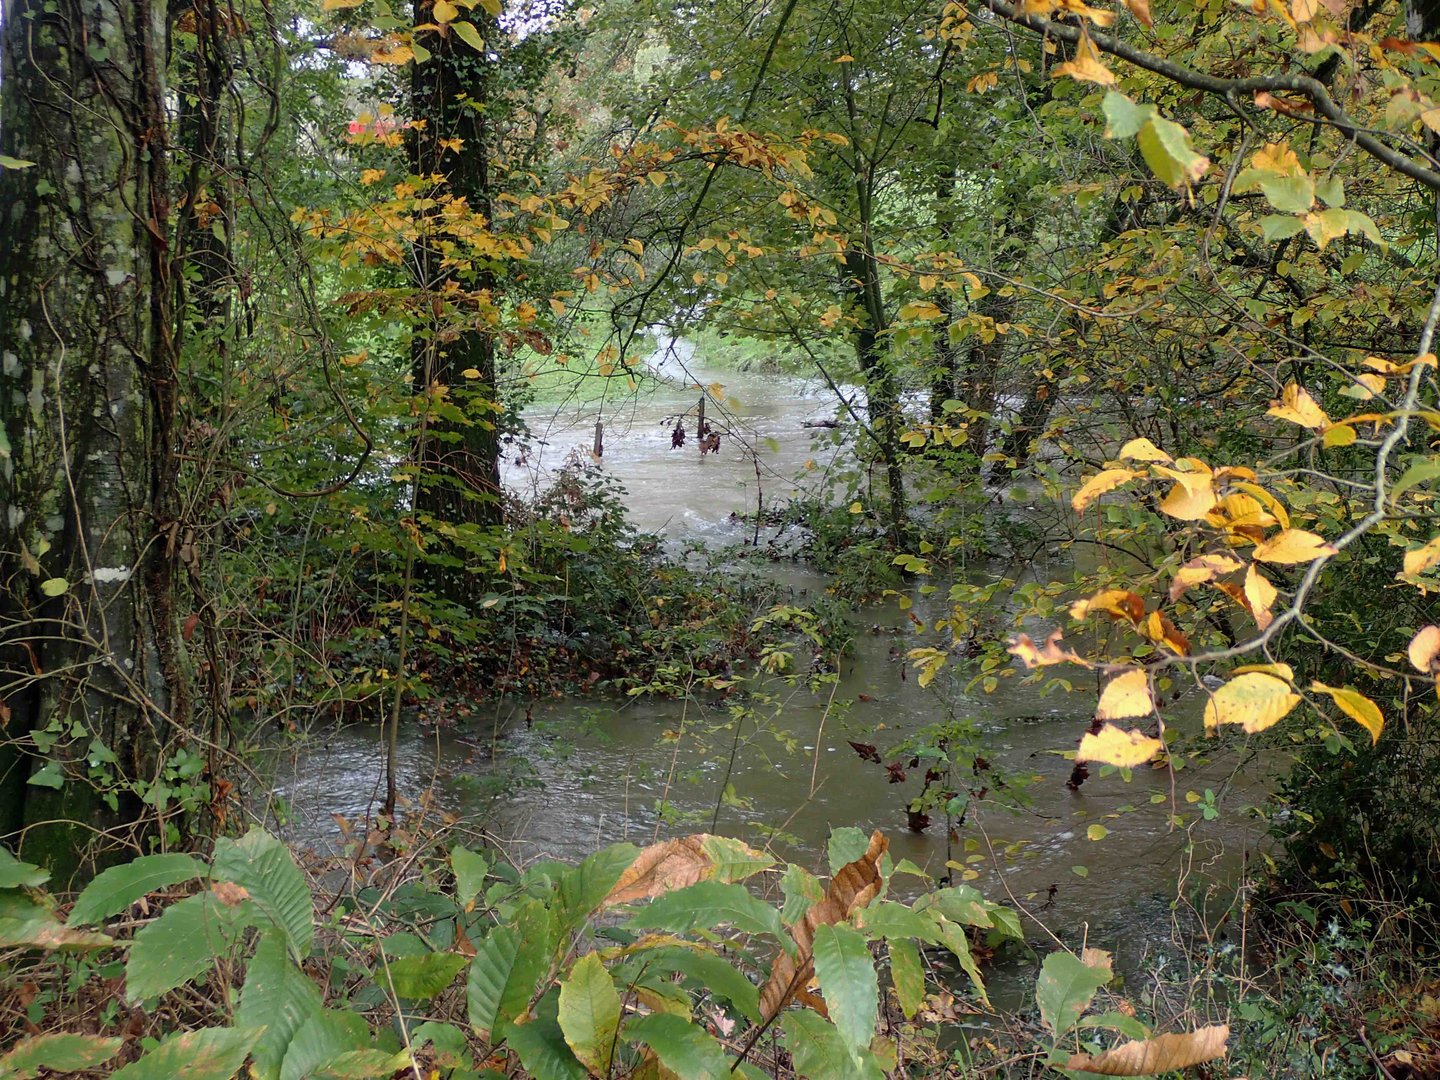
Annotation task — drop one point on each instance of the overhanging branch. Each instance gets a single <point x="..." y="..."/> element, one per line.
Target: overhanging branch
<point x="1232" y="90"/>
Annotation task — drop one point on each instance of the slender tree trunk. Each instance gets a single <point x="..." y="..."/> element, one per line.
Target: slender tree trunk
<point x="91" y="672"/>
<point x="862" y="282"/>
<point x="945" y="370"/>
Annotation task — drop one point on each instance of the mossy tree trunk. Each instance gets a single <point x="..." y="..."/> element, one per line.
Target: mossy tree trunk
<point x="90" y="677"/>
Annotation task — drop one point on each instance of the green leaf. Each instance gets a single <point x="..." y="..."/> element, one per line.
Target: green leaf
<point x="1416" y="474"/>
<point x="115" y="889"/>
<point x="365" y="1065"/>
<point x="184" y="941"/>
<point x="277" y="996"/>
<point x="14" y="874"/>
<point x="60" y="1052"/>
<point x="820" y="1053"/>
<point x="717" y="976"/>
<point x="1289" y="194"/>
<point x="452" y="1046"/>
<point x="203" y="1054"/>
<point x="322" y="1039"/>
<point x="506" y="969"/>
<point x="584" y="888"/>
<point x="907" y="974"/>
<point x="962" y="904"/>
<point x="267" y="870"/>
<point x="1280" y="227"/>
<point x="848" y="981"/>
<point x="589" y="1013"/>
<point x="541" y="1046"/>
<point x="1165" y="146"/>
<point x="55" y="586"/>
<point x="8" y="162"/>
<point x="421" y="976"/>
<point x="48" y="776"/>
<point x="1331" y="191"/>
<point x="734" y="860"/>
<point x="470" y="870"/>
<point x="1124" y="118"/>
<point x="888" y="919"/>
<point x="802" y="891"/>
<point x="709" y="904"/>
<point x="28" y="924"/>
<point x="846" y="845"/>
<point x="467" y="33"/>
<point x="1065" y="988"/>
<point x="953" y="938"/>
<point x="684" y="1048"/>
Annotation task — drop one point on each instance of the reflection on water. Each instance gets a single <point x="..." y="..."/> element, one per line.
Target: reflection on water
<point x="579" y="773"/>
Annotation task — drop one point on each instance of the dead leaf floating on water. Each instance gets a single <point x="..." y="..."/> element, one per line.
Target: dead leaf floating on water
<point x="1162" y="1054"/>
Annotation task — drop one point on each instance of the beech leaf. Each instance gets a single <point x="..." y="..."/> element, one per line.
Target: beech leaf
<point x="1162" y="1054"/>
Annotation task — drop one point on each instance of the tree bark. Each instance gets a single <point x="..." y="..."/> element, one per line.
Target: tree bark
<point x="460" y="461"/>
<point x="91" y="676"/>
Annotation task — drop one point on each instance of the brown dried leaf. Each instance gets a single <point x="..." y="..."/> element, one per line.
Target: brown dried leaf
<point x="1024" y="649"/>
<point x="661" y="868"/>
<point x="1162" y="1054"/>
<point x="856" y="884"/>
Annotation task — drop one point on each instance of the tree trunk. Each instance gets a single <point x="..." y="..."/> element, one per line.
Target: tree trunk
<point x="460" y="461"/>
<point x="862" y="282"/>
<point x="90" y="653"/>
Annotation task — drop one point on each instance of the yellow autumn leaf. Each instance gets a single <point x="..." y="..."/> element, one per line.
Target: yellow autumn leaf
<point x="1422" y="558"/>
<point x="1338" y="435"/>
<point x="1293" y="546"/>
<point x="1356" y="706"/>
<point x="1277" y="158"/>
<point x="1297" y="406"/>
<point x="337" y="5"/>
<point x="1150" y="1057"/>
<point x="1200" y="570"/>
<point x="1117" y="603"/>
<point x="1123" y="749"/>
<point x="445" y="11"/>
<point x="1425" y="650"/>
<point x="1143" y="450"/>
<point x="1260" y="596"/>
<point x="1304" y="10"/>
<point x="355" y="359"/>
<point x="920" y="311"/>
<point x="1255" y="700"/>
<point x="1192" y="497"/>
<point x="1086" y="67"/>
<point x="1366" y="386"/>
<point x="1125" y="696"/>
<point x="1099" y="484"/>
<point x="470" y="373"/>
<point x="1270" y="502"/>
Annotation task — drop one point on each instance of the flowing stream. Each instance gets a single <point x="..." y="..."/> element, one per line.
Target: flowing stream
<point x="598" y="767"/>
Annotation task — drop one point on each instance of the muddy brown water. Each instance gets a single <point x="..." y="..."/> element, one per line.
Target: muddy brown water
<point x="562" y="777"/>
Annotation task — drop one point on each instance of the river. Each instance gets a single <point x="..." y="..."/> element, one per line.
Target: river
<point x="562" y="777"/>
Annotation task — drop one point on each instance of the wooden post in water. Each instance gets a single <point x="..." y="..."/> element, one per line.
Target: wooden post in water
<point x="700" y="425"/>
<point x="599" y="448"/>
